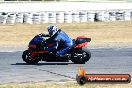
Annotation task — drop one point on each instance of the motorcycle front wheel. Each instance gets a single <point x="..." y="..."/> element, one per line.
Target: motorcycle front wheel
<point x="27" y="57"/>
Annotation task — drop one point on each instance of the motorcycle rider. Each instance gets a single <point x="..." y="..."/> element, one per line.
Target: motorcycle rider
<point x="59" y="37"/>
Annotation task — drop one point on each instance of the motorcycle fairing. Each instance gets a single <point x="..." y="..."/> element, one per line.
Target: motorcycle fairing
<point x="81" y="41"/>
<point x="81" y="45"/>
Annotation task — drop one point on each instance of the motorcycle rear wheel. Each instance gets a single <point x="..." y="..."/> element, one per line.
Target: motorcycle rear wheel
<point x="81" y="56"/>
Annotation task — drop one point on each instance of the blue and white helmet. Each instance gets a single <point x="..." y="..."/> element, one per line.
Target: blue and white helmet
<point x="52" y="30"/>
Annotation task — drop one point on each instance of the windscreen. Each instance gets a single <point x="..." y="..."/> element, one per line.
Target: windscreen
<point x="36" y="40"/>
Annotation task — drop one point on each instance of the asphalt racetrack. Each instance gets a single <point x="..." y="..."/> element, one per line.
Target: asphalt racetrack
<point x="103" y="60"/>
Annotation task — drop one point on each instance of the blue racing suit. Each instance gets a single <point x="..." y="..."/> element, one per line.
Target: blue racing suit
<point x="63" y="41"/>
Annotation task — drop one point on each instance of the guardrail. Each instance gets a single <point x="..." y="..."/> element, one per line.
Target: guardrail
<point x="64" y="17"/>
<point x="63" y="12"/>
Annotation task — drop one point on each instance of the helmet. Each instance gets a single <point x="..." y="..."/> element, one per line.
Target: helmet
<point x="52" y="30"/>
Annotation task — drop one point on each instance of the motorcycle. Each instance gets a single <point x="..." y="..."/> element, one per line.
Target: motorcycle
<point x="79" y="53"/>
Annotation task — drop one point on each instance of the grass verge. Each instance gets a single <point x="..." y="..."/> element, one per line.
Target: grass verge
<point x="102" y="33"/>
<point x="63" y="85"/>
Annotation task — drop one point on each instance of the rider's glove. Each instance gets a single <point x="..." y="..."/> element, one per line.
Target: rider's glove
<point x="44" y="35"/>
<point x="41" y="34"/>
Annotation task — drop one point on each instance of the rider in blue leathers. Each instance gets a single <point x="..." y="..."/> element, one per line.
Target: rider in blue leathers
<point x="59" y="38"/>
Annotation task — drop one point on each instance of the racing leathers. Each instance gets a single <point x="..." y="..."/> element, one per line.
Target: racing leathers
<point x="62" y="43"/>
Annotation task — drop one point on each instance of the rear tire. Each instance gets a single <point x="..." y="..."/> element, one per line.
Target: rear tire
<point x="81" y="56"/>
<point x="26" y="56"/>
<point x="86" y="49"/>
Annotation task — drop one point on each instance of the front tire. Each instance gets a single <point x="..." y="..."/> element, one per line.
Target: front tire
<point x="81" y="56"/>
<point x="26" y="56"/>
